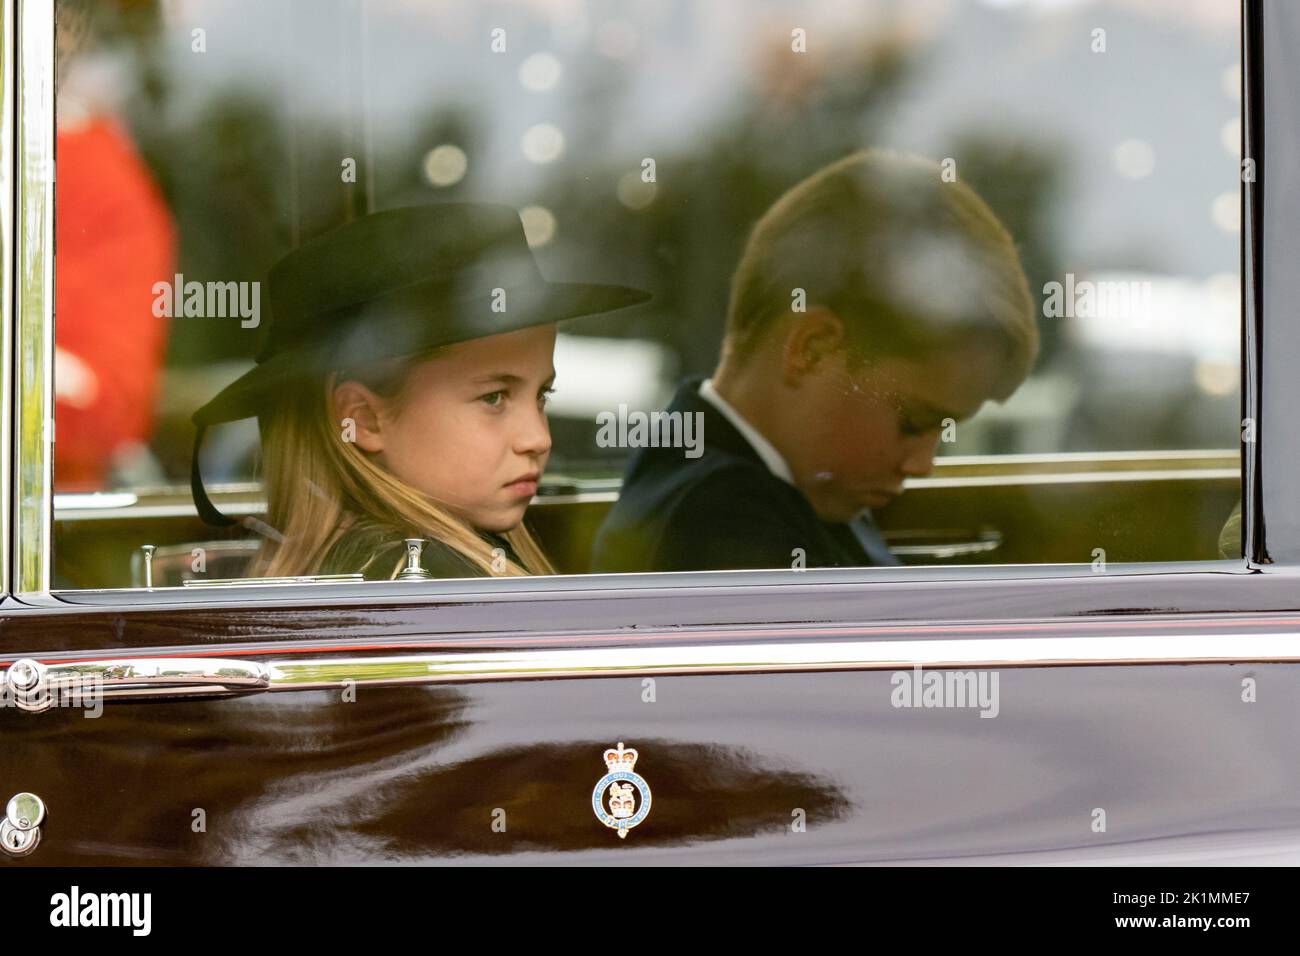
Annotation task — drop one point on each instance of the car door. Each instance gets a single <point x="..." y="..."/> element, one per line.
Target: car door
<point x="1127" y="708"/>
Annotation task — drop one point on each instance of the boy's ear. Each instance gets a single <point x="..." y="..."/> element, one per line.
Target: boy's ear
<point x="812" y="338"/>
<point x="356" y="413"/>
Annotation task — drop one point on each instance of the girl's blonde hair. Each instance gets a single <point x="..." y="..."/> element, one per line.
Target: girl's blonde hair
<point x="318" y="485"/>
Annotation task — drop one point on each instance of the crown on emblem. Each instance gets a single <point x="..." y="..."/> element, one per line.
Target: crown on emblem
<point x="620" y="759"/>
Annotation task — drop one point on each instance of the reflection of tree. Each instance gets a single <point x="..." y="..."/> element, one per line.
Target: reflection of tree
<point x="1020" y="179"/>
<point x="224" y="173"/>
<point x="404" y="182"/>
<point x="799" y="115"/>
<point x="245" y="174"/>
<point x="701" y="794"/>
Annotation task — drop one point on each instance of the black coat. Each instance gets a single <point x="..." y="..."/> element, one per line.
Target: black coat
<point x="722" y="510"/>
<point x="378" y="552"/>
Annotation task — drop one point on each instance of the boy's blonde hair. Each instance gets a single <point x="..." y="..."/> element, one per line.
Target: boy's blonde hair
<point x="910" y="263"/>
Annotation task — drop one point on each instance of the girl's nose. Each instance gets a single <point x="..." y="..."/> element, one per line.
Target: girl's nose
<point x="535" y="436"/>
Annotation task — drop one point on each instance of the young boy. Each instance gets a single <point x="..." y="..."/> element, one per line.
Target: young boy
<point x="875" y="304"/>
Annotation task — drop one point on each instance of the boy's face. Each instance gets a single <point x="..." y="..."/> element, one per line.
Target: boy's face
<point x="864" y="428"/>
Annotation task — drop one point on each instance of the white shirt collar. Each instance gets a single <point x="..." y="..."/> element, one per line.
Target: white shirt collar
<point x="771" y="457"/>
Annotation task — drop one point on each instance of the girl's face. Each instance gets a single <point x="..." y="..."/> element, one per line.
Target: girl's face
<point x="472" y="433"/>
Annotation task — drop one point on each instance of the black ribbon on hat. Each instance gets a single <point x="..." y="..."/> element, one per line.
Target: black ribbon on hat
<point x="207" y="510"/>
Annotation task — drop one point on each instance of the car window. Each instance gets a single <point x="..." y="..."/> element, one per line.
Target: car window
<point x="654" y="286"/>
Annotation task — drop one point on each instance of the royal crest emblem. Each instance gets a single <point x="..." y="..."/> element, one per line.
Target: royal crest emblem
<point x="621" y="799"/>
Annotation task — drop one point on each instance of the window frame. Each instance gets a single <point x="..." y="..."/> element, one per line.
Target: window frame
<point x="29" y="327"/>
<point x="1271" y="343"/>
<point x="29" y="33"/>
<point x="8" y="169"/>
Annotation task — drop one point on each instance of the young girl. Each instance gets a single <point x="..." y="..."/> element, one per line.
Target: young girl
<point x="401" y="394"/>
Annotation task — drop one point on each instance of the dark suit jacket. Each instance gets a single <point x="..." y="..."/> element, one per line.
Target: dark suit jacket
<point x="724" y="509"/>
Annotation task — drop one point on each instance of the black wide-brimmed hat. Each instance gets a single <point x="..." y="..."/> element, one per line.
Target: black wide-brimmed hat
<point x="392" y="284"/>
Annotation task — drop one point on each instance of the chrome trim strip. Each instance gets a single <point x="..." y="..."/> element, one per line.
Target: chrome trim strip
<point x="35" y="687"/>
<point x="34" y="300"/>
<point x="180" y="674"/>
<point x="161" y="676"/>
<point x="984" y="653"/>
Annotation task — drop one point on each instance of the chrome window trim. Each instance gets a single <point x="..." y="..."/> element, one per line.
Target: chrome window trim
<point x="33" y="414"/>
<point x="8" y="74"/>
<point x="1271" y="283"/>
<point x="1253" y="72"/>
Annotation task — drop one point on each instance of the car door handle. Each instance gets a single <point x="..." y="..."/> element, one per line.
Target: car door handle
<point x="32" y="686"/>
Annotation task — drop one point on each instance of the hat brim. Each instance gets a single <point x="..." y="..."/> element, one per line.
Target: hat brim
<point x="378" y="337"/>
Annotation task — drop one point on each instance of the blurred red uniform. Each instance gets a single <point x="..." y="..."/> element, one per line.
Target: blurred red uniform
<point x="114" y="239"/>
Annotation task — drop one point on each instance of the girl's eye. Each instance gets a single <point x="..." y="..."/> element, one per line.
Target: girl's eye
<point x="492" y="398"/>
<point x="544" y="396"/>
